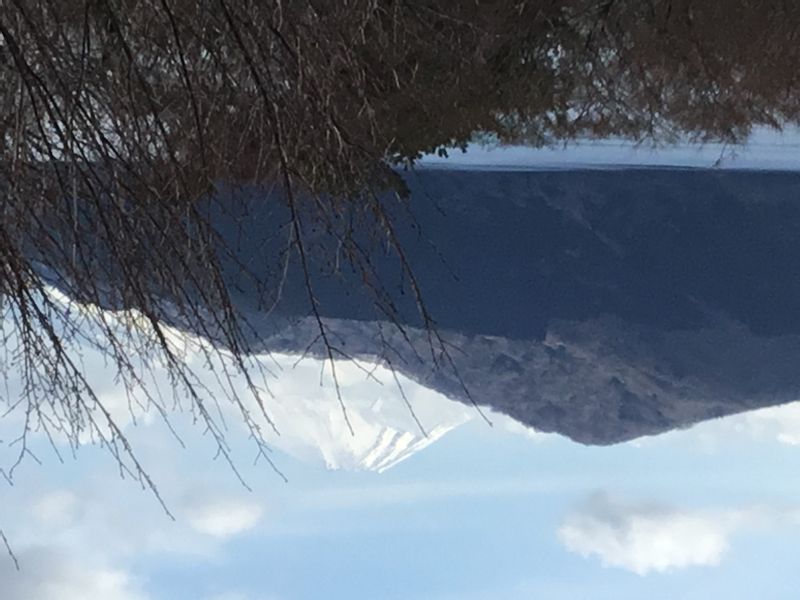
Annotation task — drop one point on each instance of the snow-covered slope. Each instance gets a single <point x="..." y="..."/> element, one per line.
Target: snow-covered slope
<point x="312" y="426"/>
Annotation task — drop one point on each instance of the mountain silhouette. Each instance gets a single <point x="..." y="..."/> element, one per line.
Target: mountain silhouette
<point x="599" y="304"/>
<point x="603" y="305"/>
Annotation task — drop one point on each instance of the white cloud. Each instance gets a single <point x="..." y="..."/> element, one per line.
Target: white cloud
<point x="775" y="423"/>
<point x="515" y="427"/>
<point x="224" y="518"/>
<point x="644" y="538"/>
<point x="780" y="422"/>
<point x="49" y="575"/>
<point x="58" y="508"/>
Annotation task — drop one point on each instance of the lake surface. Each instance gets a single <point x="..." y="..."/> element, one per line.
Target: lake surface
<point x="615" y="416"/>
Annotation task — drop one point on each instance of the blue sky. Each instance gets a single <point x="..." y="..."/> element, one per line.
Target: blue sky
<point x="481" y="513"/>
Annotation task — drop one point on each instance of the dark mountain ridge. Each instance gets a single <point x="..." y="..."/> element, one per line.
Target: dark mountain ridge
<point x="600" y="304"/>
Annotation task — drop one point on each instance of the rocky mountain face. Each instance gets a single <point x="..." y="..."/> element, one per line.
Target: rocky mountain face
<point x="602" y="305"/>
<point x="599" y="382"/>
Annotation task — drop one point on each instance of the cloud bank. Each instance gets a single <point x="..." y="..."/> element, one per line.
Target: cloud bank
<point x="226" y="518"/>
<point x="46" y="574"/>
<point x="646" y="538"/>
